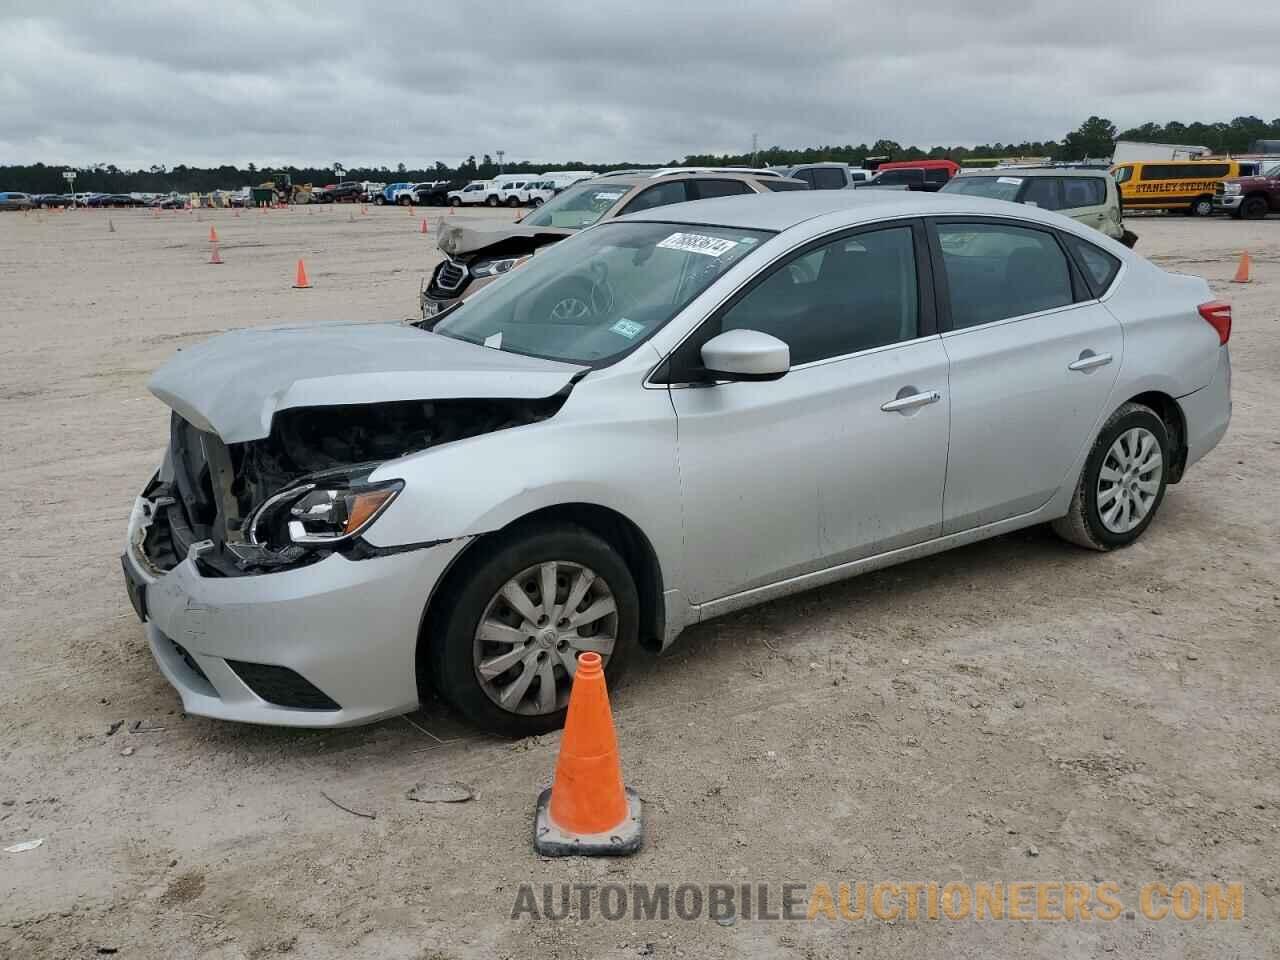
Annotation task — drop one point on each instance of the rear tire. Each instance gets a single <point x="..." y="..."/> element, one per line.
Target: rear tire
<point x="449" y="648"/>
<point x="1091" y="521"/>
<point x="492" y="201"/>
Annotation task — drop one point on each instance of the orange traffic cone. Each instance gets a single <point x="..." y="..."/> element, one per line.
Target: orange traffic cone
<point x="301" y="282"/>
<point x="237" y="213"/>
<point x="111" y="226"/>
<point x="424" y="225"/>
<point x="214" y="256"/>
<point x="518" y="215"/>
<point x="1242" y="271"/>
<point x="451" y="210"/>
<point x="587" y="811"/>
<point x="213" y="235"/>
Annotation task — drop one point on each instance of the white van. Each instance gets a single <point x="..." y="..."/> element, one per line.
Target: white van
<point x="567" y="178"/>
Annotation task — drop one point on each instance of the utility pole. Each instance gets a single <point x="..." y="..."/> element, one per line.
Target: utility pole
<point x="755" y="149"/>
<point x="501" y="154"/>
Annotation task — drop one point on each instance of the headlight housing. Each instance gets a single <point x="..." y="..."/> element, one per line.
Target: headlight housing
<point x="1231" y="188"/>
<point x="492" y="268"/>
<point x="328" y="511"/>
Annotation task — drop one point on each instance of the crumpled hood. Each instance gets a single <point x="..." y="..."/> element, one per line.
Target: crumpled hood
<point x="233" y="384"/>
<point x="458" y="240"/>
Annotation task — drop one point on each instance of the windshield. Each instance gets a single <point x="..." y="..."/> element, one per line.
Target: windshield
<point x="994" y="188"/>
<point x="598" y="295"/>
<point x="1273" y="172"/>
<point x="577" y="207"/>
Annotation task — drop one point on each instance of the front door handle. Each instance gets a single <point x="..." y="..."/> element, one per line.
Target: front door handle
<point x="911" y="401"/>
<point x="1089" y="361"/>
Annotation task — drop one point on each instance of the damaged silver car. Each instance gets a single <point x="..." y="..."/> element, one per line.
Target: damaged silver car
<point x="760" y="395"/>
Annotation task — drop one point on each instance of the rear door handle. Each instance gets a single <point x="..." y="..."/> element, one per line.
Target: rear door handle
<point x="911" y="401"/>
<point x="1089" y="361"/>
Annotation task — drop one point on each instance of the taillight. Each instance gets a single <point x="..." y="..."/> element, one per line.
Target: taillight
<point x="1218" y="313"/>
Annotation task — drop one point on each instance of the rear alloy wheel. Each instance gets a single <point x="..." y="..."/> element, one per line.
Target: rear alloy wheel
<point x="1123" y="481"/>
<point x="1254" y="208"/>
<point x="524" y="611"/>
<point x="492" y="201"/>
<point x="1202" y="207"/>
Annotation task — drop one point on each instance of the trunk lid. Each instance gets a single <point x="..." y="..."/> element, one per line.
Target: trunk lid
<point x="234" y="384"/>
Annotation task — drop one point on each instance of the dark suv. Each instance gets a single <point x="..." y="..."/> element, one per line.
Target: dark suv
<point x="1250" y="198"/>
<point x="912" y="178"/>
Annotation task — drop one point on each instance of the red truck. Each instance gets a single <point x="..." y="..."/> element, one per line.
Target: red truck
<point x="1250" y="198"/>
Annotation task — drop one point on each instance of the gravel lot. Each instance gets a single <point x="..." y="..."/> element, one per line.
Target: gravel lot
<point x="1117" y="714"/>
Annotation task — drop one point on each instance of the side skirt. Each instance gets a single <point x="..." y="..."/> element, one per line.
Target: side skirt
<point x="843" y="571"/>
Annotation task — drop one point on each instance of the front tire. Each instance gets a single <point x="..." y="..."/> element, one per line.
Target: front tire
<point x="1202" y="207"/>
<point x="518" y="611"/>
<point x="492" y="201"/>
<point x="1123" y="481"/>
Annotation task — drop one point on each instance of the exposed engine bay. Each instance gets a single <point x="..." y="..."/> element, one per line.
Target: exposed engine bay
<point x="302" y="492"/>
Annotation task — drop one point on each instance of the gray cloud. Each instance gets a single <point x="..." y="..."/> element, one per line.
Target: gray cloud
<point x="136" y="83"/>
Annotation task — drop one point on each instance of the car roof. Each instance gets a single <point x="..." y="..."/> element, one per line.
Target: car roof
<point x="781" y="211"/>
<point x="645" y="179"/>
<point x="1037" y="172"/>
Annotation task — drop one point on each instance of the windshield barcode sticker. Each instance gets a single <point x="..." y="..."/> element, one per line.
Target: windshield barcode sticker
<point x="607" y="196"/>
<point x="697" y="243"/>
<point x="1013" y="180"/>
<point x="627" y="328"/>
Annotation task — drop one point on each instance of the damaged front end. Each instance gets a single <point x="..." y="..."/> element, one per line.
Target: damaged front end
<point x="474" y="258"/>
<point x="302" y="492"/>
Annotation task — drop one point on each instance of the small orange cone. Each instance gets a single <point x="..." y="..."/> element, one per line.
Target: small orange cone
<point x="519" y="214"/>
<point x="301" y="282"/>
<point x="214" y="256"/>
<point x="237" y="213"/>
<point x="111" y="226"/>
<point x="1242" y="271"/>
<point x="213" y="235"/>
<point x="587" y="811"/>
<point x="424" y="225"/>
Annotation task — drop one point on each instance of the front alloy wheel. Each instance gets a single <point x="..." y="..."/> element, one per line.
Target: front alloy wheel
<point x="502" y="638"/>
<point x="528" y="639"/>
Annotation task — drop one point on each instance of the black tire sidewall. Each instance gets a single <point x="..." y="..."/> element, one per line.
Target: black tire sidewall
<point x="1089" y="488"/>
<point x="1254" y="208"/>
<point x="451" y="652"/>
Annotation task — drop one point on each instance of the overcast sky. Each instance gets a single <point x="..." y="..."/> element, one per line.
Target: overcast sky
<point x="140" y="82"/>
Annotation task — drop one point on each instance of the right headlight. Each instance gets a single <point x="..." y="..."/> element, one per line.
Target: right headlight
<point x="323" y="513"/>
<point x="492" y="268"/>
<point x="1231" y="188"/>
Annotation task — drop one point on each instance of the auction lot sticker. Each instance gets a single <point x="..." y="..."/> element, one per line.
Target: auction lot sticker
<point x="697" y="243"/>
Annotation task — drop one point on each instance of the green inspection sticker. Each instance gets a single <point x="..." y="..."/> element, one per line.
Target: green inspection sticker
<point x="627" y="328"/>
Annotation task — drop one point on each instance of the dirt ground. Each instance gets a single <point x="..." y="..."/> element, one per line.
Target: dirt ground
<point x="1015" y="710"/>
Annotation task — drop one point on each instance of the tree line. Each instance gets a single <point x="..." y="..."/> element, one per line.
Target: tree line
<point x="1095" y="138"/>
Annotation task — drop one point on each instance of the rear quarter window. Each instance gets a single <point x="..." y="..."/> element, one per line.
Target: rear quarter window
<point x="1099" y="267"/>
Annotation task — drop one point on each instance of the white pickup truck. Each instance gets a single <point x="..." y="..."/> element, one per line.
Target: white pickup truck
<point x="475" y="192"/>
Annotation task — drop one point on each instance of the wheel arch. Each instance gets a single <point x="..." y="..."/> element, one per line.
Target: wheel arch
<point x="1175" y="421"/>
<point x="616" y="529"/>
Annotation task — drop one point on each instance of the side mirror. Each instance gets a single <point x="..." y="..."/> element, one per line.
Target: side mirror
<point x="745" y="355"/>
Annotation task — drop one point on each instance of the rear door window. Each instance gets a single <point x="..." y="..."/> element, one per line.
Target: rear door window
<point x="1042" y="192"/>
<point x="719" y="188"/>
<point x="828" y="178"/>
<point x="1083" y="192"/>
<point x="995" y="271"/>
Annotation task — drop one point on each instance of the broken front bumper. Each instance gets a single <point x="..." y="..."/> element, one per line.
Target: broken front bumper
<point x="330" y="644"/>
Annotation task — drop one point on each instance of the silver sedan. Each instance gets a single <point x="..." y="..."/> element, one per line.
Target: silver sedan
<point x="662" y="419"/>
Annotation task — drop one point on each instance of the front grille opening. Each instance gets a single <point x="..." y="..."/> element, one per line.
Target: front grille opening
<point x="281" y="686"/>
<point x="451" y="275"/>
